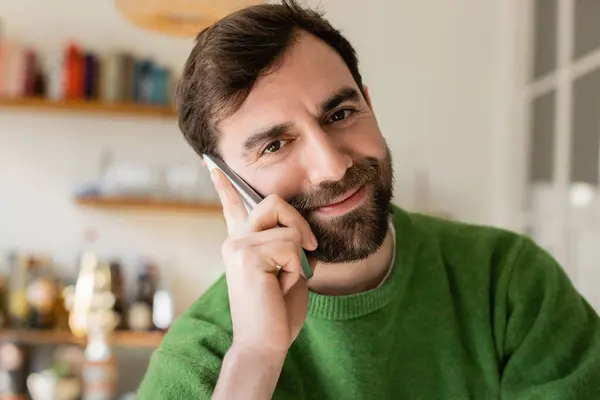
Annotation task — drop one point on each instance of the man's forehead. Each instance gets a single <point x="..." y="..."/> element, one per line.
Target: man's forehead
<point x="309" y="67"/>
<point x="308" y="73"/>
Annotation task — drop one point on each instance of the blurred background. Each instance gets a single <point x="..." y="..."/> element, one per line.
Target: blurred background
<point x="490" y="108"/>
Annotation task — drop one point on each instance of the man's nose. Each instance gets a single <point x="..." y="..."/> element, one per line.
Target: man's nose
<point x="326" y="160"/>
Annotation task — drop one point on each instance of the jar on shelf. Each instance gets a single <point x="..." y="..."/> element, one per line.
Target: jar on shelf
<point x="41" y="293"/>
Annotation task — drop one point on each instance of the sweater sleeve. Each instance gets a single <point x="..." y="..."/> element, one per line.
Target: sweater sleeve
<point x="188" y="361"/>
<point x="171" y="377"/>
<point x="551" y="344"/>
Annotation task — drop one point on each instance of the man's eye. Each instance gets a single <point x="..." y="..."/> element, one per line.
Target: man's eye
<point x="339" y="115"/>
<point x="275" y="146"/>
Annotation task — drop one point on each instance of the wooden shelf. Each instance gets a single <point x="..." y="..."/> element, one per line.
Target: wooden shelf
<point x="118" y="339"/>
<point x="90" y="106"/>
<point x="160" y="205"/>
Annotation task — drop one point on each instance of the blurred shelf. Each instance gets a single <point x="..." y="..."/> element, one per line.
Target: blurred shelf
<point x="90" y="106"/>
<point x="149" y="204"/>
<point x="119" y="338"/>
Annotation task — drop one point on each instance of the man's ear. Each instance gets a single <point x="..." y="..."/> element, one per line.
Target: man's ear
<point x="367" y="97"/>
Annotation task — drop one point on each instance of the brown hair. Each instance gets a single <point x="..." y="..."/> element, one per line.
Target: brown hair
<point x="230" y="55"/>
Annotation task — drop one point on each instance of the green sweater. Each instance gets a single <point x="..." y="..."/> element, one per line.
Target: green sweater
<point x="468" y="312"/>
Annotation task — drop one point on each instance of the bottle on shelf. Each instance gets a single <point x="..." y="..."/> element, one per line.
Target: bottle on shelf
<point x="73" y="72"/>
<point x="60" y="311"/>
<point x="13" y="68"/>
<point x="90" y="75"/>
<point x="140" y="312"/>
<point x="55" y="90"/>
<point x="3" y="298"/>
<point x="163" y="307"/>
<point x="41" y="293"/>
<point x="18" y="308"/>
<point x="79" y="300"/>
<point x="111" y="76"/>
<point x="3" y="317"/>
<point x="117" y="288"/>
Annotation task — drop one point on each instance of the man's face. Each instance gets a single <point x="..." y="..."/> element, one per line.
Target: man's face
<point x="306" y="133"/>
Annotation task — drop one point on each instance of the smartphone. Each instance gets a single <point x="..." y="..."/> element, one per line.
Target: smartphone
<point x="250" y="199"/>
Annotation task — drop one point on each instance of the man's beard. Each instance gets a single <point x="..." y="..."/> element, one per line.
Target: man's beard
<point x="359" y="233"/>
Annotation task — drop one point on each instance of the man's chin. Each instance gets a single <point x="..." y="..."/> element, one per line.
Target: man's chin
<point x="350" y="237"/>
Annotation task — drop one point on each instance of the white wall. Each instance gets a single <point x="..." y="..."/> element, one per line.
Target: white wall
<point x="432" y="68"/>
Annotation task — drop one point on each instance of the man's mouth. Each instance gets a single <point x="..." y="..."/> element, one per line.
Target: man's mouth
<point x="344" y="203"/>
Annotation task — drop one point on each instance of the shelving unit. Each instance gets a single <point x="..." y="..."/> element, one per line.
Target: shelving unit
<point x="118" y="339"/>
<point x="149" y="204"/>
<point x="89" y="106"/>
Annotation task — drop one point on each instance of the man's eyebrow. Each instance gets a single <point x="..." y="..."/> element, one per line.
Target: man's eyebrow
<point x="338" y="98"/>
<point x="342" y="95"/>
<point x="267" y="134"/>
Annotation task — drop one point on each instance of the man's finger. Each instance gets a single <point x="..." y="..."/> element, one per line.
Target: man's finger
<point x="233" y="208"/>
<point x="271" y="235"/>
<point x="275" y="211"/>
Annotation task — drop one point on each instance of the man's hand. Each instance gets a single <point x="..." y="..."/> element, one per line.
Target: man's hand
<point x="268" y="297"/>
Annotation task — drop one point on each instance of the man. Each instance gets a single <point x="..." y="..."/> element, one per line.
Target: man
<point x="401" y="306"/>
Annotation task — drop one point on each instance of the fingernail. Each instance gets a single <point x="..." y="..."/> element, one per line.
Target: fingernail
<point x="314" y="241"/>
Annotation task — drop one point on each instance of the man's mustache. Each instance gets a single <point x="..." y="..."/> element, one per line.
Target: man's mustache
<point x="366" y="170"/>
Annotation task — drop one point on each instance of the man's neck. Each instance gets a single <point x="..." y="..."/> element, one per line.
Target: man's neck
<point x="350" y="278"/>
